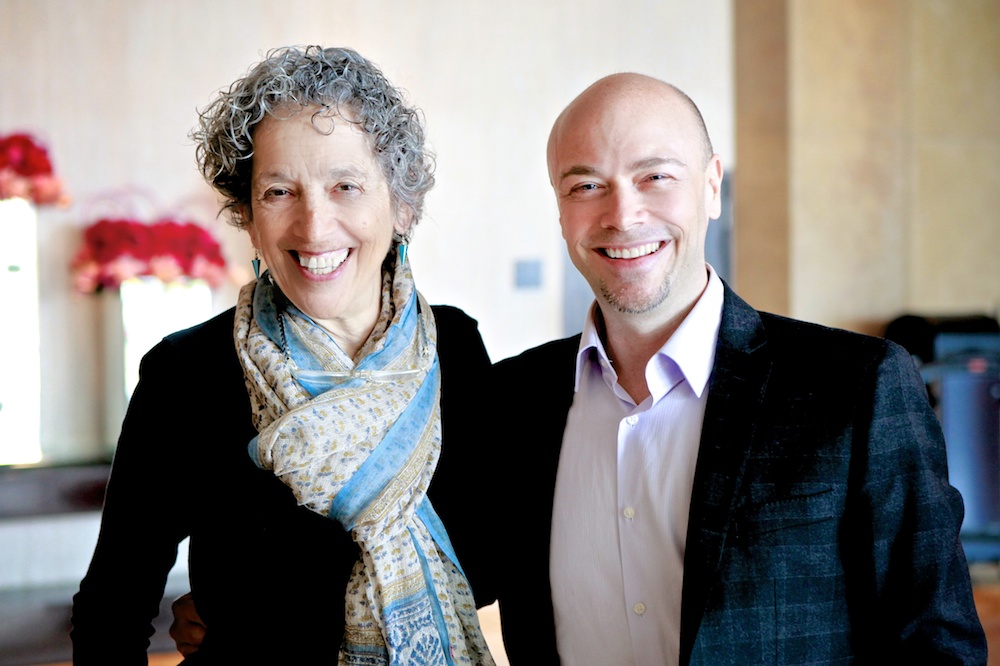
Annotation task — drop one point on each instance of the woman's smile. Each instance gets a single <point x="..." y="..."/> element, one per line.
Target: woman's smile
<point x="322" y="264"/>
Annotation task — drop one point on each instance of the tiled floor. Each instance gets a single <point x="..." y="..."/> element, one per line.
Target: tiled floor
<point x="986" y="589"/>
<point x="489" y="620"/>
<point x="988" y="603"/>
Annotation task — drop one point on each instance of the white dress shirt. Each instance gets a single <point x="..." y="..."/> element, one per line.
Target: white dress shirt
<point x="622" y="495"/>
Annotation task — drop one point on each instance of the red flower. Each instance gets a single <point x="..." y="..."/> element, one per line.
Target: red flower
<point x="26" y="171"/>
<point x="115" y="250"/>
<point x="20" y="153"/>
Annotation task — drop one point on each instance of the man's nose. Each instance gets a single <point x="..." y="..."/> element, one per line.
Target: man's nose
<point x="624" y="208"/>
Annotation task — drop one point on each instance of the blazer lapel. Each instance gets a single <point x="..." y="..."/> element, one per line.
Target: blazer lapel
<point x="736" y="389"/>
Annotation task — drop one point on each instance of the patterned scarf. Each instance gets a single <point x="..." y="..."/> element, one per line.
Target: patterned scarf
<point x="359" y="444"/>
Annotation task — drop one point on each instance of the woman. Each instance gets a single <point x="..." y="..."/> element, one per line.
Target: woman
<point x="336" y="373"/>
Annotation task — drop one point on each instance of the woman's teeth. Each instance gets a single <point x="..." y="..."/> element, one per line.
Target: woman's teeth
<point x="632" y="252"/>
<point x="321" y="264"/>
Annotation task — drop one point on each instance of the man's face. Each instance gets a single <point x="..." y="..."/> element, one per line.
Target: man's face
<point x="635" y="195"/>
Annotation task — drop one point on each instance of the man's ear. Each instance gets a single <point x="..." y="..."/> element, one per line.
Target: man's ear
<point x="713" y="187"/>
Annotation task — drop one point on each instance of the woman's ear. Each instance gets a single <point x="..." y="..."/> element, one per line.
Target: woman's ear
<point x="245" y="215"/>
<point x="404" y="221"/>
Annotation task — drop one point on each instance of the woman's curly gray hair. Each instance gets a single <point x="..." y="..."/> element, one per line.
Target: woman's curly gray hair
<point x="332" y="78"/>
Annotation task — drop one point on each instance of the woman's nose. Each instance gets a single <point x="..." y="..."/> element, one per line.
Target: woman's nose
<point x="315" y="214"/>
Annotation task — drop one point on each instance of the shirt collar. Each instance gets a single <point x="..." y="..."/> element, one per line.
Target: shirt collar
<point x="688" y="354"/>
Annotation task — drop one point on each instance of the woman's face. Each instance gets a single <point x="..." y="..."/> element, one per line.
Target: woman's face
<point x="322" y="219"/>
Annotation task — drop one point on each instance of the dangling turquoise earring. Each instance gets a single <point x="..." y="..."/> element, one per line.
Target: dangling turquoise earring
<point x="403" y="246"/>
<point x="256" y="264"/>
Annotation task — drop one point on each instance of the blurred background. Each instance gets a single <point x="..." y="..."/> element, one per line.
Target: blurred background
<point x="861" y="142"/>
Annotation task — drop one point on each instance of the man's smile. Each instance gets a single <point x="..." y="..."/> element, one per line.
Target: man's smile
<point x="632" y="252"/>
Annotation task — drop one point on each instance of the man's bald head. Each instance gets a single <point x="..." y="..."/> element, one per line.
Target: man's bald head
<point x="628" y="90"/>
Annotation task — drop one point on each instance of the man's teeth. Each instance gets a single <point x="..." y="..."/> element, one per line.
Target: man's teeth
<point x="632" y="252"/>
<point x="321" y="264"/>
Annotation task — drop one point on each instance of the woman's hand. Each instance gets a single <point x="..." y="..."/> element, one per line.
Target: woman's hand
<point x="187" y="629"/>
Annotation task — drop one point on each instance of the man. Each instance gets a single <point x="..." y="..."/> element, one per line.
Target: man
<point x="698" y="482"/>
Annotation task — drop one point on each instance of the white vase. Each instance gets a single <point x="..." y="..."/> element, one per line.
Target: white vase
<point x="114" y="399"/>
<point x="136" y="318"/>
<point x="20" y="379"/>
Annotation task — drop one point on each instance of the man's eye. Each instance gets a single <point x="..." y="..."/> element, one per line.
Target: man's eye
<point x="275" y="192"/>
<point x="584" y="187"/>
<point x="347" y="187"/>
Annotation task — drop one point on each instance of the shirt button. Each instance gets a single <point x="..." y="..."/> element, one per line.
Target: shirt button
<point x="639" y="608"/>
<point x="631" y="420"/>
<point x="629" y="512"/>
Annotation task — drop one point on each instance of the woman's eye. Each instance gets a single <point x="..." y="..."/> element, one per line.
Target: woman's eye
<point x="275" y="192"/>
<point x="347" y="187"/>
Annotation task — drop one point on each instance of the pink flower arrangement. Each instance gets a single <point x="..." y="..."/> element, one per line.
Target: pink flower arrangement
<point x="26" y="172"/>
<point x="115" y="250"/>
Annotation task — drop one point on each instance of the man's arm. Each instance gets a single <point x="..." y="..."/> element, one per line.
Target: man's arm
<point x="922" y="579"/>
<point x="187" y="629"/>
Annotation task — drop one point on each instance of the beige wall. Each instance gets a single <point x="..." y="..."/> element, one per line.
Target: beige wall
<point x="885" y="117"/>
<point x="866" y="186"/>
<point x="113" y="86"/>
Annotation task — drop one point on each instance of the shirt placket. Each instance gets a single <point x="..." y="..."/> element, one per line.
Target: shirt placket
<point x="630" y="524"/>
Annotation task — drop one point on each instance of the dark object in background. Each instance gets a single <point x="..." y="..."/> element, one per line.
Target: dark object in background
<point x="959" y="359"/>
<point x="917" y="334"/>
<point x="52" y="490"/>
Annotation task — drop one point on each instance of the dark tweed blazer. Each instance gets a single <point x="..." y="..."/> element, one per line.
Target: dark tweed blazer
<point x="822" y="526"/>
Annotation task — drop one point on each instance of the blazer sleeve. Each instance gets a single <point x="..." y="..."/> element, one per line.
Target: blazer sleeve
<point x="923" y="594"/>
<point x="141" y="524"/>
<point x="465" y="485"/>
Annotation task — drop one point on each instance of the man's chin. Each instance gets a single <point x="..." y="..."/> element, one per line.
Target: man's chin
<point x="634" y="301"/>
